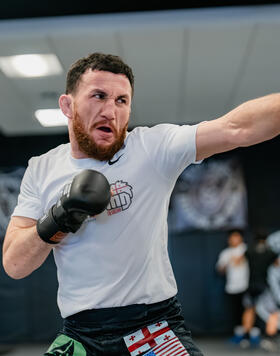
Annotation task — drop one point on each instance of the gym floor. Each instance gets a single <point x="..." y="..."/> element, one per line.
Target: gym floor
<point x="209" y="346"/>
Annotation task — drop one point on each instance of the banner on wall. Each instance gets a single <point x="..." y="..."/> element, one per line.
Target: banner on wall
<point x="209" y="196"/>
<point x="9" y="189"/>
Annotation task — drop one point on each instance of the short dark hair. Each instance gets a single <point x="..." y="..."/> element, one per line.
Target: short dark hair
<point x="261" y="234"/>
<point x="97" y="61"/>
<point x="235" y="230"/>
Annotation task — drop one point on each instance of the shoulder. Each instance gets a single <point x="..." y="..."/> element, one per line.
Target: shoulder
<point x="159" y="131"/>
<point x="150" y="138"/>
<point x="51" y="156"/>
<point x="142" y="130"/>
<point x="225" y="252"/>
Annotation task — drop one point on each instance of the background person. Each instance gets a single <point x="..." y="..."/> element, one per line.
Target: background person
<point x="259" y="256"/>
<point x="232" y="263"/>
<point x="268" y="308"/>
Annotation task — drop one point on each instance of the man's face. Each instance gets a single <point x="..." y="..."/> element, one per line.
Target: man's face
<point x="102" y="104"/>
<point x="235" y="239"/>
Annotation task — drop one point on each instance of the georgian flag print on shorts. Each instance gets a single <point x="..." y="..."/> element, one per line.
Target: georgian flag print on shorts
<point x="157" y="339"/>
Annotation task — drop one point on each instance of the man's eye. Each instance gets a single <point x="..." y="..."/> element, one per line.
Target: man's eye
<point x="121" y="100"/>
<point x="99" y="96"/>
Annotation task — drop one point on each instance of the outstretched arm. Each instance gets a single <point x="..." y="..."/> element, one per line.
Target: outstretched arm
<point x="250" y="123"/>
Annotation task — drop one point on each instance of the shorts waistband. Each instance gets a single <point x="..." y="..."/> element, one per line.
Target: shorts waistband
<point x="118" y="314"/>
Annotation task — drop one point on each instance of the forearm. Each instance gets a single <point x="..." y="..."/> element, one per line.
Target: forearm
<point x="23" y="251"/>
<point x="250" y="123"/>
<point x="255" y="121"/>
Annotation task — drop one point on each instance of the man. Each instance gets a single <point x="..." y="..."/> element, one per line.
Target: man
<point x="116" y="286"/>
<point x="260" y="257"/>
<point x="232" y="263"/>
<point x="268" y="308"/>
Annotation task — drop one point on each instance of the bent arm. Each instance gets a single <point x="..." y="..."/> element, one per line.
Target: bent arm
<point x="23" y="249"/>
<point x="250" y="123"/>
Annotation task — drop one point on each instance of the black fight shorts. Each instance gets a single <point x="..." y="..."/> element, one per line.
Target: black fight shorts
<point x="140" y="329"/>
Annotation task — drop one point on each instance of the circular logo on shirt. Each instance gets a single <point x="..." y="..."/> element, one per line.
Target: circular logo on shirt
<point x="121" y="199"/>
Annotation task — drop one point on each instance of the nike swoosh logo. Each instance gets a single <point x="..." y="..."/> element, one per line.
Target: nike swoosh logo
<point x="115" y="161"/>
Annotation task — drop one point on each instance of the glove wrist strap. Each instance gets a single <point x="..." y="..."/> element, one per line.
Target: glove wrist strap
<point x="47" y="227"/>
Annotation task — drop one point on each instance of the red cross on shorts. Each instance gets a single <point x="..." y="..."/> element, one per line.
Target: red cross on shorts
<point x="148" y="338"/>
<point x="132" y="338"/>
<point x="167" y="337"/>
<point x="158" y="324"/>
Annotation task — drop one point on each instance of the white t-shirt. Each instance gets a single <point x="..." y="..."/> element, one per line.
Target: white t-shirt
<point x="237" y="275"/>
<point x="119" y="257"/>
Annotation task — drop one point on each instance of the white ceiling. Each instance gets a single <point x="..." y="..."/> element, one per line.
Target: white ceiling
<point x="190" y="65"/>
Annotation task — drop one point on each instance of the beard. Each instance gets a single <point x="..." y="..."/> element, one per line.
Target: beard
<point x="88" y="146"/>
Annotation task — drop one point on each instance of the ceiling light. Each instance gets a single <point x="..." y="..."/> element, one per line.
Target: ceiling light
<point x="51" y="117"/>
<point x="30" y="65"/>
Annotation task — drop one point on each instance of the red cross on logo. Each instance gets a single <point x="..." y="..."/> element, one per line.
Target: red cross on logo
<point x="132" y="338"/>
<point x="158" y="324"/>
<point x="167" y="337"/>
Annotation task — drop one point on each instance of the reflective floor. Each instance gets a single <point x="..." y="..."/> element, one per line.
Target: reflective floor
<point x="221" y="347"/>
<point x="209" y="346"/>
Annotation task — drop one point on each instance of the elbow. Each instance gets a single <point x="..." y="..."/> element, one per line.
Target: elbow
<point x="14" y="274"/>
<point x="13" y="270"/>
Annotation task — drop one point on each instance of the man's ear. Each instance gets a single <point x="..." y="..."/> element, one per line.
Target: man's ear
<point x="65" y="104"/>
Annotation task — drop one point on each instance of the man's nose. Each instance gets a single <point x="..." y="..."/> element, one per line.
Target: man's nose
<point x="109" y="109"/>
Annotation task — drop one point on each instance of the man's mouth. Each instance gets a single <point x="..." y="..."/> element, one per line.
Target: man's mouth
<point x="105" y="129"/>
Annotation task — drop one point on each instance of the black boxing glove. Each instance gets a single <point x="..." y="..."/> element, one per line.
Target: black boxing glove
<point x="87" y="195"/>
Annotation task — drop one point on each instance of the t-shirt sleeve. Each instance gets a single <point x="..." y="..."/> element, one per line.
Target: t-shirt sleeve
<point x="29" y="203"/>
<point x="171" y="147"/>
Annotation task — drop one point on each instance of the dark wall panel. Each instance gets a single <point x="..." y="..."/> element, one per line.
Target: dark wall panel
<point x="28" y="309"/>
<point x="200" y="287"/>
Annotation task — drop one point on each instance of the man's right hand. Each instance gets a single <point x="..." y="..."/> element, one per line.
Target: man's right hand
<point x="87" y="195"/>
